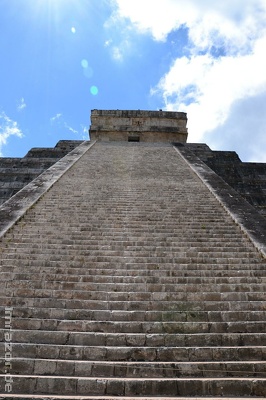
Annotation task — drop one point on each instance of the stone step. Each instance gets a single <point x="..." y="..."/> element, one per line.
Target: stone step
<point x="144" y="250"/>
<point x="127" y="205"/>
<point x="159" y="305"/>
<point x="117" y="222"/>
<point x="50" y="385"/>
<point x="114" y="235"/>
<point x="135" y="295"/>
<point x="83" y="265"/>
<point x="99" y="277"/>
<point x="21" y="366"/>
<point x="111" y="219"/>
<point x="115" y="242"/>
<point x="128" y="248"/>
<point x="168" y="254"/>
<point x="135" y="213"/>
<point x="152" y="262"/>
<point x="78" y="397"/>
<point x="142" y="259"/>
<point x="117" y="225"/>
<point x="138" y="326"/>
<point x="137" y="287"/>
<point x="139" y="339"/>
<point x="83" y="275"/>
<point x="126" y="239"/>
<point x="152" y="210"/>
<point x="137" y="353"/>
<point x="138" y="315"/>
<point x="76" y="240"/>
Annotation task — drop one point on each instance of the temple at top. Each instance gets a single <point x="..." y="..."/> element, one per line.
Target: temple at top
<point x="138" y="126"/>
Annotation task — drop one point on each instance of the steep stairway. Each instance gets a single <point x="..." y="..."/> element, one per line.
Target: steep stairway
<point x="129" y="279"/>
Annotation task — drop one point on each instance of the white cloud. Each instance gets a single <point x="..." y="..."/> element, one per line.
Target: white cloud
<point x="119" y="49"/>
<point x="55" y="118"/>
<point x="70" y="128"/>
<point x="207" y="87"/>
<point x="85" y="133"/>
<point x="108" y="43"/>
<point x="59" y="120"/>
<point x="120" y="41"/>
<point x="158" y="17"/>
<point x="207" y="21"/>
<point x="8" y="128"/>
<point x="21" y="104"/>
<point x="117" y="53"/>
<point x="244" y="130"/>
<point x="223" y="63"/>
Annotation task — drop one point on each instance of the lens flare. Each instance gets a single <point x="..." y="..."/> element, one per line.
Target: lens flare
<point x="94" y="90"/>
<point x="88" y="72"/>
<point x="84" y="63"/>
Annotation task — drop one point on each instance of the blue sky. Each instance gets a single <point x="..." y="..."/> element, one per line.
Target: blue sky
<point x="62" y="58"/>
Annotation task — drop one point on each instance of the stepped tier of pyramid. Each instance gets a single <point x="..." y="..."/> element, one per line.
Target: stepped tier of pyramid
<point x="130" y="270"/>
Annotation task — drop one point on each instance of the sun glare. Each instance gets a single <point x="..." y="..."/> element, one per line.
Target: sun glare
<point x="60" y="11"/>
<point x="57" y="6"/>
<point x="56" y="13"/>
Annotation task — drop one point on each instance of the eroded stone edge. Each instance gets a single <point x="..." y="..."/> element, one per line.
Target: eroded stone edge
<point x="246" y="216"/>
<point x="15" y="207"/>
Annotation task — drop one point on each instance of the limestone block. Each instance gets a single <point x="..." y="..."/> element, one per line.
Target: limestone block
<point x="143" y="126"/>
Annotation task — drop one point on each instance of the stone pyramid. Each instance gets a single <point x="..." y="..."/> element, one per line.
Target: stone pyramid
<point x="130" y="269"/>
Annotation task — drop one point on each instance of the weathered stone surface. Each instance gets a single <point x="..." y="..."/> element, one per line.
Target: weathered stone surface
<point x="15" y="173"/>
<point x="129" y="278"/>
<point x="138" y="125"/>
<point x="241" y="211"/>
<point x="247" y="178"/>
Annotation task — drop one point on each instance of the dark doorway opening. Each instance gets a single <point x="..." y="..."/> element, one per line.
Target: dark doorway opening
<point x="133" y="138"/>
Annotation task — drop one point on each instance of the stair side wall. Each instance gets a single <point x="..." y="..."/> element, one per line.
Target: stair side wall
<point x="247" y="178"/>
<point x="16" y="173"/>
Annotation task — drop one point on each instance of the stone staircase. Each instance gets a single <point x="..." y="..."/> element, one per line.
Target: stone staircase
<point x="16" y="173"/>
<point x="129" y="279"/>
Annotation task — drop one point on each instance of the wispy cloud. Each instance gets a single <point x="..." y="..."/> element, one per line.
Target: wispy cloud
<point x="108" y="43"/>
<point x="70" y="128"/>
<point x="223" y="62"/>
<point x="117" y="53"/>
<point x="120" y="50"/>
<point x="85" y="134"/>
<point x="55" y="118"/>
<point x="59" y="120"/>
<point x="21" y="104"/>
<point x="8" y="128"/>
<point x="120" y="41"/>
